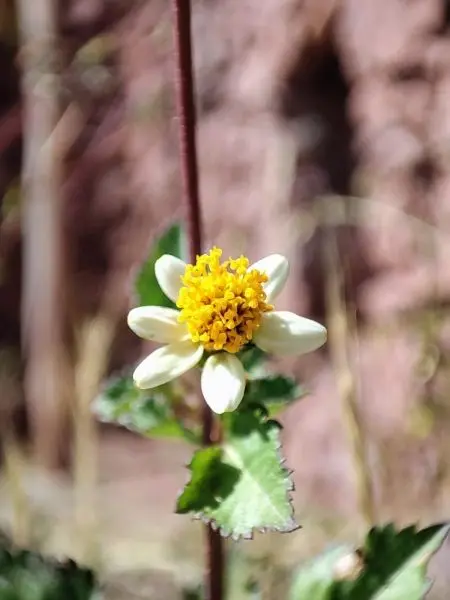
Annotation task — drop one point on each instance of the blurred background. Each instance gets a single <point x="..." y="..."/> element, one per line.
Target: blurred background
<point x="324" y="135"/>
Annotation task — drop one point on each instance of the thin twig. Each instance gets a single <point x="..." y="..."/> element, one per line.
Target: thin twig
<point x="188" y="153"/>
<point x="338" y="326"/>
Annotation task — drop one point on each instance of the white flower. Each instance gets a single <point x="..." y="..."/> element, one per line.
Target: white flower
<point x="223" y="306"/>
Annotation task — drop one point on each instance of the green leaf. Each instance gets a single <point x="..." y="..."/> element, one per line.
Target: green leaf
<point x="273" y="392"/>
<point x="263" y="388"/>
<point x="147" y="288"/>
<point x="316" y="580"/>
<point x="272" y="389"/>
<point x="25" y="575"/>
<point x="212" y="480"/>
<point x="252" y="358"/>
<point x="393" y="567"/>
<point x="153" y="413"/>
<point x="241" y="485"/>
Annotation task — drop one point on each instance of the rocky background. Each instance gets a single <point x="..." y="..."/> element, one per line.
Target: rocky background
<point x="324" y="134"/>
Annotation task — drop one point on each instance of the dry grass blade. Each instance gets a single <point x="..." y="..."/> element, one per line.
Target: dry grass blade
<point x="339" y="337"/>
<point x="94" y="343"/>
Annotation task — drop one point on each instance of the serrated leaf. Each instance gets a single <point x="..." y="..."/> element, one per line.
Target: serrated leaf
<point x="241" y="485"/>
<point x="396" y="563"/>
<point x="212" y="480"/>
<point x="393" y="567"/>
<point x="151" y="413"/>
<point x="146" y="285"/>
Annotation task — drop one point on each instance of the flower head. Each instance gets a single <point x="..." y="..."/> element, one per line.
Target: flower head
<point x="222" y="307"/>
<point x="222" y="304"/>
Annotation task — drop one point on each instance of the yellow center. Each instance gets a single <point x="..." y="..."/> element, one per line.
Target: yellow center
<point x="222" y="304"/>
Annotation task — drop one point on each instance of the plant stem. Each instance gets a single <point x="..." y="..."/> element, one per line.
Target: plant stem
<point x="214" y="579"/>
<point x="186" y="120"/>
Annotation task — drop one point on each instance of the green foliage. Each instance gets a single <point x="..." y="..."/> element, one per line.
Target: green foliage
<point x="272" y="389"/>
<point x="147" y="288"/>
<point x="317" y="579"/>
<point x="212" y="481"/>
<point x="391" y="566"/>
<point x="265" y="389"/>
<point x="252" y="358"/>
<point x="241" y="485"/>
<point x="273" y="392"/>
<point x="192" y="594"/>
<point x="26" y="575"/>
<point x="157" y="413"/>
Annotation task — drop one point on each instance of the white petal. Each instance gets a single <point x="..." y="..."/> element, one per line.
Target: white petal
<point x="157" y="324"/>
<point x="166" y="364"/>
<point x="169" y="270"/>
<point x="223" y="382"/>
<point x="276" y="266"/>
<point x="283" y="332"/>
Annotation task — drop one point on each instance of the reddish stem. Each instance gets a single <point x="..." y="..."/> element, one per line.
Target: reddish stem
<point x="214" y="580"/>
<point x="186" y="119"/>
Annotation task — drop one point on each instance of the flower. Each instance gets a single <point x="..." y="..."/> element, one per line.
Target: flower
<point x="221" y="308"/>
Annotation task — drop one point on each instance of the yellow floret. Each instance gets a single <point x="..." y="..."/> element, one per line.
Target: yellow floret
<point x="222" y="303"/>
